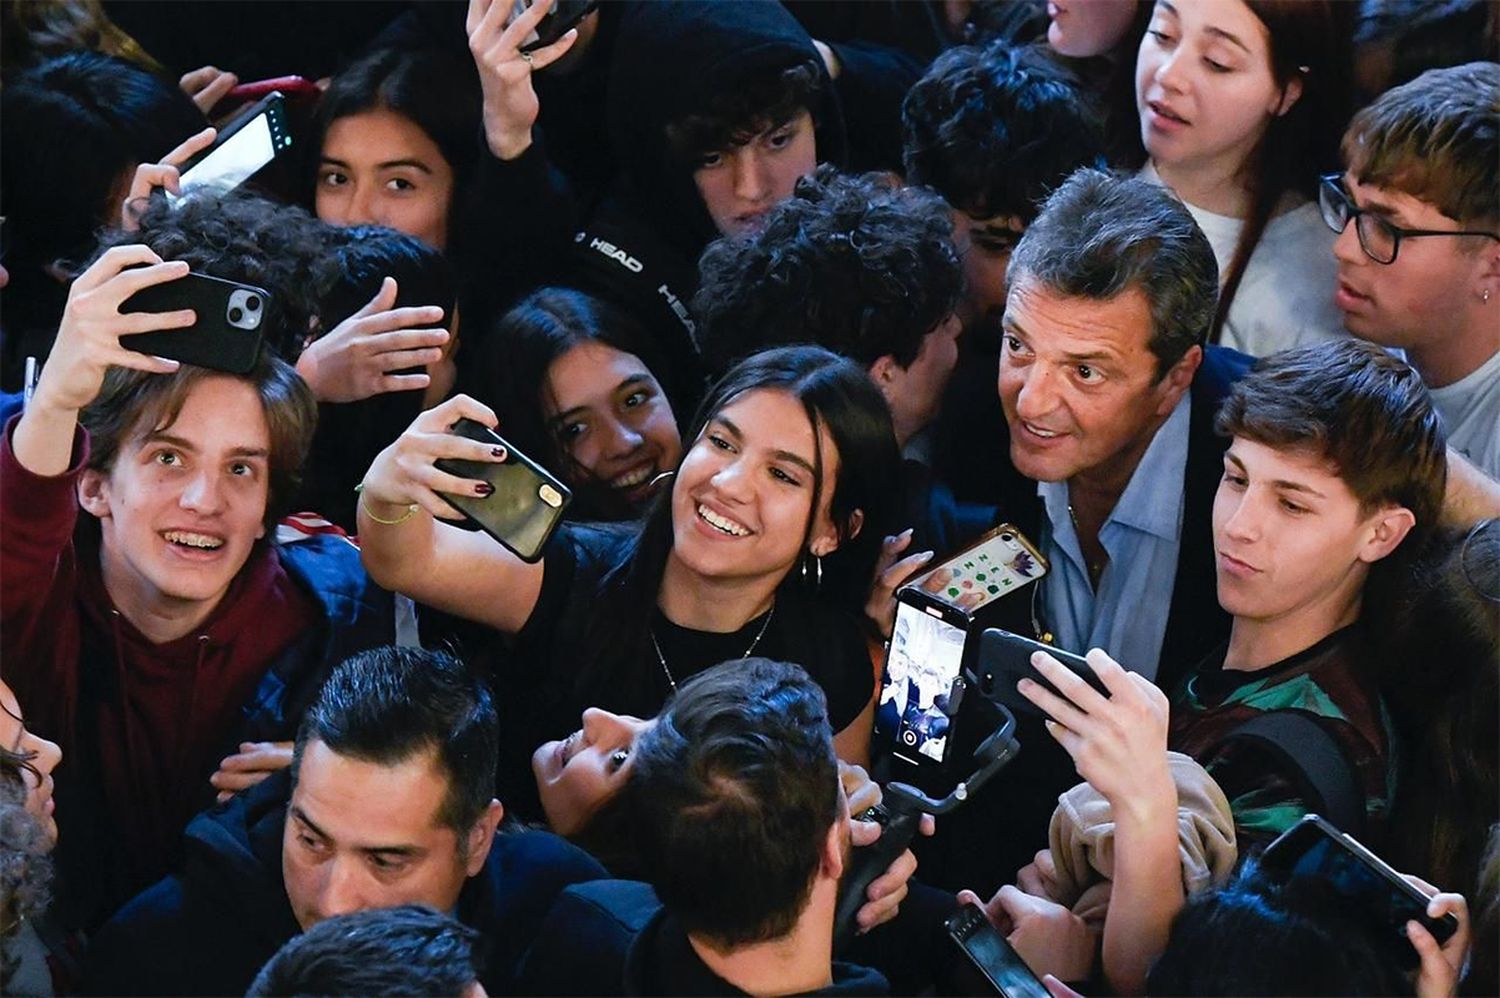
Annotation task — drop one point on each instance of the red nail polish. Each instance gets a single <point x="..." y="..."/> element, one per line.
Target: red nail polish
<point x="484" y="489"/>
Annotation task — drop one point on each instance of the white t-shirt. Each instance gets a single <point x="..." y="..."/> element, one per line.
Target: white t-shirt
<point x="1470" y="408"/>
<point x="1285" y="298"/>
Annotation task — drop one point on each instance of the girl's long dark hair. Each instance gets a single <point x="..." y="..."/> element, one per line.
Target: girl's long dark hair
<point x="1310" y="42"/>
<point x="839" y="397"/>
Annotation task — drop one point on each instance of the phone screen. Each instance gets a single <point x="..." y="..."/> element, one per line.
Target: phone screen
<point x="237" y="160"/>
<point x="1002" y="964"/>
<point x="922" y="685"/>
<point x="1355" y="879"/>
<point x="983" y="574"/>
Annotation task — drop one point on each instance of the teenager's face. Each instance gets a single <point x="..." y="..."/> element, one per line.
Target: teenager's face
<point x="1078" y="382"/>
<point x="742" y="498"/>
<point x="362" y="835"/>
<point x="915" y="392"/>
<point x="43" y="759"/>
<point x="1289" y="536"/>
<point x="1407" y="303"/>
<point x="184" y="504"/>
<point x="381" y="168"/>
<point x="611" y="417"/>
<point x="1204" y="87"/>
<point x="576" y="775"/>
<point x="1081" y="29"/>
<point x="739" y="185"/>
<point x="985" y="245"/>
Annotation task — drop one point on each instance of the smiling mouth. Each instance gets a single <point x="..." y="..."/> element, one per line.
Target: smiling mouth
<point x="565" y="749"/>
<point x="722" y="524"/>
<point x="642" y="474"/>
<point x="188" y="539"/>
<point x="1040" y="432"/>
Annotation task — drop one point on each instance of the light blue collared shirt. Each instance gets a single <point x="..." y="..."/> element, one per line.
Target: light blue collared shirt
<point x="1127" y="617"/>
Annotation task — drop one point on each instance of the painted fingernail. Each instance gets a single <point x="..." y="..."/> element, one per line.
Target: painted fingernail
<point x="483" y="489"/>
<point x="498" y="453"/>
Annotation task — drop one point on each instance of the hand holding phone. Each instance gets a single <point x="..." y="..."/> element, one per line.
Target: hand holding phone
<point x="521" y="503"/>
<point x="1001" y="562"/>
<point x="986" y="951"/>
<point x="1006" y="658"/>
<point x="242" y="147"/>
<point x="150" y="176"/>
<point x="507" y="49"/>
<point x="922" y="685"/>
<point x="291" y="87"/>
<point x="226" y="333"/>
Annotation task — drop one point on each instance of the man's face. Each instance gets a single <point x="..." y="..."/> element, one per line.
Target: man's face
<point x="184" y="504"/>
<point x="362" y="835"/>
<point x="1078" y="383"/>
<point x="1289" y="536"/>
<point x="985" y="245"/>
<point x="739" y="185"/>
<point x="1411" y="301"/>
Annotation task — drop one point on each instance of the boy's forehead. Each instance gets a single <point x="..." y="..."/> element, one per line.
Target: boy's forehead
<point x="222" y="413"/>
<point x="1392" y="201"/>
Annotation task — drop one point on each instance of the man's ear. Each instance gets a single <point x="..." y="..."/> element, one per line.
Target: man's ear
<point x="477" y="850"/>
<point x="1388" y="527"/>
<point x="827" y="543"/>
<point x="93" y="492"/>
<point x="831" y="862"/>
<point x="1178" y="379"/>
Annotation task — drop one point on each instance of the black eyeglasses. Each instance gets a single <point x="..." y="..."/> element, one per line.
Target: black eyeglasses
<point x="1377" y="237"/>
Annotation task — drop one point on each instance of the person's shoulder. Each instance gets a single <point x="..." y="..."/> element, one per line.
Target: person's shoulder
<point x="528" y="869"/>
<point x="628" y="904"/>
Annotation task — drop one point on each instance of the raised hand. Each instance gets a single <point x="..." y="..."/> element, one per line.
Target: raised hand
<point x="360" y="356"/>
<point x="510" y="102"/>
<point x="149" y="176"/>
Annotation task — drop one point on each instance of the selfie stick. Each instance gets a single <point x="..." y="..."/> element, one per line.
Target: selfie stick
<point x="900" y="813"/>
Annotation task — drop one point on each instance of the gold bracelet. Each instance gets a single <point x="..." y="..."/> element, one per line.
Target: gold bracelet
<point x="410" y="510"/>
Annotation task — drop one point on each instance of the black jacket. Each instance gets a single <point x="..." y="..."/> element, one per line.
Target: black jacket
<point x="984" y="843"/>
<point x="209" y="928"/>
<point x="613" y="937"/>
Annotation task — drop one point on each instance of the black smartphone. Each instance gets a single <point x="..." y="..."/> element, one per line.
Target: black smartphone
<point x="994" y="958"/>
<point x="922" y="685"/>
<point x="563" y="16"/>
<point x="227" y="334"/>
<point x="1314" y="848"/>
<point x="1001" y="562"/>
<point x="258" y="135"/>
<point x="1005" y="659"/>
<point x="527" y="504"/>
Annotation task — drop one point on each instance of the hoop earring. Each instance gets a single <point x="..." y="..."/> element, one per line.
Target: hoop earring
<point x="816" y="575"/>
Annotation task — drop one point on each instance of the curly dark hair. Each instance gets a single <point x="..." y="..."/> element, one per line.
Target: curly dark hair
<point x="994" y="130"/>
<point x="857" y="264"/>
<point x="242" y="236"/>
<point x="25" y="869"/>
<point x="733" y="117"/>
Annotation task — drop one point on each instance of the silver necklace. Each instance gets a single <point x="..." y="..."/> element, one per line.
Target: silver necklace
<point x="663" y="659"/>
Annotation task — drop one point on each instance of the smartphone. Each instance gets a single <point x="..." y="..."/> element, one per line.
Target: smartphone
<point x="227" y="334"/>
<point x="922" y="685"/>
<point x="288" y="86"/>
<point x="1005" y="659"/>
<point x="527" y="504"/>
<point x="999" y="563"/>
<point x="564" y="16"/>
<point x="989" y="953"/>
<point x="1314" y="848"/>
<point x="257" y="136"/>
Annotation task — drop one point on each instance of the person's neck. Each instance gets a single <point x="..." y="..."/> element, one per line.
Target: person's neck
<point x="160" y="619"/>
<point x="708" y="604"/>
<point x="1443" y="360"/>
<point x="1258" y="643"/>
<point x="1094" y="492"/>
<point x="1213" y="186"/>
<point x="797" y="963"/>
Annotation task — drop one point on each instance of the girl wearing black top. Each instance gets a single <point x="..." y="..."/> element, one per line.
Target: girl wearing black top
<point x="765" y="545"/>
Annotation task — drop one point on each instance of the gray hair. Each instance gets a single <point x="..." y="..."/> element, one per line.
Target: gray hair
<point x="1101" y="235"/>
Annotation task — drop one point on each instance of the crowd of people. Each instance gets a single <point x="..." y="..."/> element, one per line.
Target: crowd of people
<point x="1197" y="300"/>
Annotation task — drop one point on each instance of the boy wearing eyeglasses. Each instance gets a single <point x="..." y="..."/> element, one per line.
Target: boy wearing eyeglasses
<point x="1420" y="267"/>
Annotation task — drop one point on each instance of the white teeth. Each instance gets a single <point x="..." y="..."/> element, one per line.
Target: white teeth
<point x="191" y="540"/>
<point x="1046" y="434"/>
<point x="723" y="524"/>
<point x="634" y="478"/>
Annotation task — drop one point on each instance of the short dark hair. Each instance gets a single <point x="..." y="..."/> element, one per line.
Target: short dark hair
<point x="241" y="236"/>
<point x="1366" y="412"/>
<point x="1258" y="936"/>
<point x="994" y="130"/>
<point x="25" y="867"/>
<point x="1436" y="138"/>
<point x="734" y="115"/>
<point x="407" y="950"/>
<point x="857" y="264"/>
<point x="132" y="404"/>
<point x="736" y="788"/>
<point x="363" y="256"/>
<point x="391" y="703"/>
<point x="1100" y="236"/>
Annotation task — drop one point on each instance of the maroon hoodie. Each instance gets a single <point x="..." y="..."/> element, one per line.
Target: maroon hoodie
<point x="148" y="721"/>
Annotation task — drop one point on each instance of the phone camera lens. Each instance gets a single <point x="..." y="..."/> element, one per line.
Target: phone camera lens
<point x="235" y="315"/>
<point x="252" y="302"/>
<point x="1007" y="538"/>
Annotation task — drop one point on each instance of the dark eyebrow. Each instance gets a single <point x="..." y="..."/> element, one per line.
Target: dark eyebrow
<point x="643" y="378"/>
<point x="781" y="455"/>
<point x="181" y="444"/>
<point x="1228" y="37"/>
<point x="1279" y="483"/>
<point x="301" y="816"/>
<point x="387" y="165"/>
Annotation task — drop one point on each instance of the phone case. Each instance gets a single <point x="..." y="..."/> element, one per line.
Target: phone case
<point x="1001" y="562"/>
<point x="1005" y="659"/>
<point x="989" y="954"/>
<point x="527" y="504"/>
<point x="273" y="106"/>
<point x="227" y="335"/>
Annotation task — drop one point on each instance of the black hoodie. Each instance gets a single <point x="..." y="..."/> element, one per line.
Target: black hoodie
<point x="208" y="929"/>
